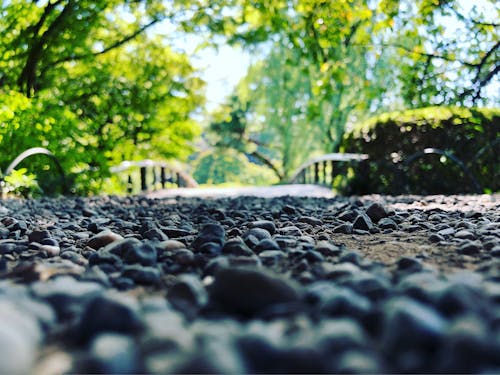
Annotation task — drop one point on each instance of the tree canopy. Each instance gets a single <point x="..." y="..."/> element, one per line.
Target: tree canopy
<point x="100" y="82"/>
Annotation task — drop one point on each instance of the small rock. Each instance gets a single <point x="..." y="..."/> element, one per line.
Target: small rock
<point x="248" y="292"/>
<point x="112" y="353"/>
<point x="264" y="224"/>
<point x="141" y="274"/>
<point x="109" y="313"/>
<point x="103" y="238"/>
<point x="144" y="254"/>
<point x="376" y="212"/>
<point x="469" y="247"/>
<point x="188" y="295"/>
<point x="465" y="235"/>
<point x="363" y="222"/>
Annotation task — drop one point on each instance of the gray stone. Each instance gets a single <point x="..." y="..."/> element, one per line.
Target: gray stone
<point x="236" y="246"/>
<point x="465" y="235"/>
<point x="264" y="224"/>
<point x="388" y="223"/>
<point x="266" y="244"/>
<point x="113" y="353"/>
<point x="327" y="249"/>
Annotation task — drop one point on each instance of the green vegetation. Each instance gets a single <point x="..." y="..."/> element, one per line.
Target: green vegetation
<point x="99" y="82"/>
<point x="472" y="135"/>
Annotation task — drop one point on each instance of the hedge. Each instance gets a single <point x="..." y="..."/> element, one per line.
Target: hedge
<point x="470" y="134"/>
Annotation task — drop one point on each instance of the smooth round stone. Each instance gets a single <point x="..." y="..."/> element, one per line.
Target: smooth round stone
<point x="264" y="224"/>
<point x="109" y="313"/>
<point x="465" y="235"/>
<point x="50" y="251"/>
<point x="142" y="274"/>
<point x="169" y="245"/>
<point x="260" y="354"/>
<point x="249" y="291"/>
<point x="210" y="249"/>
<point x="257" y="232"/>
<point x="103" y="238"/>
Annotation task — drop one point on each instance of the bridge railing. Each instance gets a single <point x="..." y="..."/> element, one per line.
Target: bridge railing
<point x="148" y="175"/>
<point x="323" y="170"/>
<point x="29" y="153"/>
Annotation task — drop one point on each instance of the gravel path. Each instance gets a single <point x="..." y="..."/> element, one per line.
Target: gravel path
<point x="370" y="284"/>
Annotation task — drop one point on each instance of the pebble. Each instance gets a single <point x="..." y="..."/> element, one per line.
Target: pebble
<point x="250" y="285"/>
<point x="249" y="291"/>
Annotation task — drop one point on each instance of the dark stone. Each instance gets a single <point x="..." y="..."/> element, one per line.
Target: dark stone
<point x="349" y="215"/>
<point x="310" y="220"/>
<point x="142" y="253"/>
<point x="412" y="333"/>
<point x="264" y="224"/>
<point x="376" y="212"/>
<point x="38" y="235"/>
<point x="266" y="244"/>
<point x="327" y="249"/>
<point x="363" y="222"/>
<point x="141" y="274"/>
<point x="210" y="249"/>
<point x="210" y="233"/>
<point x="236" y="246"/>
<point x="343" y="228"/>
<point x="188" y="295"/>
<point x="248" y="292"/>
<point x="388" y="223"/>
<point x="469" y="247"/>
<point x="109" y="313"/>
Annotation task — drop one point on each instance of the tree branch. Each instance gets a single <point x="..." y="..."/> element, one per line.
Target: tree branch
<point x="112" y="46"/>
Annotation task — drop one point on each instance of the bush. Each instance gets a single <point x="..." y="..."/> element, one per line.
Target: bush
<point x="470" y="134"/>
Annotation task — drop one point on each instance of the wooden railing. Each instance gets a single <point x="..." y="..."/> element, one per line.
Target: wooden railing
<point x="147" y="175"/>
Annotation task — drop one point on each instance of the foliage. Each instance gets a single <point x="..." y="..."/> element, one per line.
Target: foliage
<point x="472" y="135"/>
<point x="20" y="183"/>
<point x="84" y="80"/>
<point x="228" y="166"/>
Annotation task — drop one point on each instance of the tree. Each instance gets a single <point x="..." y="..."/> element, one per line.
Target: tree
<point x="98" y="88"/>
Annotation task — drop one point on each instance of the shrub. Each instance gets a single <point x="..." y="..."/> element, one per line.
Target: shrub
<point x="470" y="134"/>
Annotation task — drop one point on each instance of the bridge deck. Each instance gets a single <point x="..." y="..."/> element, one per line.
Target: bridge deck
<point x="256" y="191"/>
